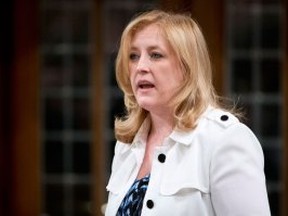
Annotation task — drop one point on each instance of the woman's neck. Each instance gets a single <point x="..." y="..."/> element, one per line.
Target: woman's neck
<point x="161" y="126"/>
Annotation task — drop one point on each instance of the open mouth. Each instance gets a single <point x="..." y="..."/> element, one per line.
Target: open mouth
<point x="145" y="85"/>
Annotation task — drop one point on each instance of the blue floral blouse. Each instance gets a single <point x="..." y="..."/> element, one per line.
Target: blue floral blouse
<point x="133" y="201"/>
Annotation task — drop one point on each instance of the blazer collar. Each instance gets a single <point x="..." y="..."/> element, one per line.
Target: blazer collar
<point x="185" y="137"/>
<point x="182" y="137"/>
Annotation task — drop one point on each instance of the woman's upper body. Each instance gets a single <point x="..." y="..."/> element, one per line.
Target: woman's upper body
<point x="215" y="169"/>
<point x="200" y="161"/>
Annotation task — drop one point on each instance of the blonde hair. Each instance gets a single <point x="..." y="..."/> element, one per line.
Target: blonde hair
<point x="197" y="92"/>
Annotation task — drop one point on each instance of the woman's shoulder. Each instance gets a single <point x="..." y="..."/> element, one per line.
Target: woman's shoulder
<point x="216" y="123"/>
<point x="219" y="117"/>
<point x="121" y="147"/>
<point x="224" y="128"/>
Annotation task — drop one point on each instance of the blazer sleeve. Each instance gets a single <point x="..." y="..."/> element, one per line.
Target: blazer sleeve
<point x="238" y="186"/>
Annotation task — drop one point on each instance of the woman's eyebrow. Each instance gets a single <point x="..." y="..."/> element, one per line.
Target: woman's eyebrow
<point x="152" y="47"/>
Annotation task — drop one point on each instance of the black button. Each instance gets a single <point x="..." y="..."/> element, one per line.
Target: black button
<point x="150" y="204"/>
<point x="224" y="118"/>
<point x="162" y="158"/>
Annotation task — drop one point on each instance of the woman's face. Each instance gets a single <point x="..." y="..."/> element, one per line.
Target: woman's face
<point x="155" y="73"/>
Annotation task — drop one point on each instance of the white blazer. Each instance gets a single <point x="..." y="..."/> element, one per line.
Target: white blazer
<point x="216" y="169"/>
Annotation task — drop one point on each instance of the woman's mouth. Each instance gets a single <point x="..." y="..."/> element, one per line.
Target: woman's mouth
<point x="145" y="85"/>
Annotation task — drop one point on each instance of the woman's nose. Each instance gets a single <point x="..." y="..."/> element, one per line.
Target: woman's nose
<point x="143" y="64"/>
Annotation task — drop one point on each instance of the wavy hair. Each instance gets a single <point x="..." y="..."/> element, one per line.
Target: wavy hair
<point x="197" y="92"/>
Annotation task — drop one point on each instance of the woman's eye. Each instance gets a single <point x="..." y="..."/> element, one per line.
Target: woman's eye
<point x="156" y="55"/>
<point x="133" y="56"/>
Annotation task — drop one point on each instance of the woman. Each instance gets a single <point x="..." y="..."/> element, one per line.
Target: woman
<point x="178" y="152"/>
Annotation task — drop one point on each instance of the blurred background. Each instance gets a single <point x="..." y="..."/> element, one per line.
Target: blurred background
<point x="59" y="97"/>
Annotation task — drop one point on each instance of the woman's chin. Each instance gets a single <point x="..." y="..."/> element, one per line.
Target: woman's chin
<point x="147" y="105"/>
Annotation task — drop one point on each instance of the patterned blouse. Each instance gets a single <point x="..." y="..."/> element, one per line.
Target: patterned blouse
<point x="133" y="201"/>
